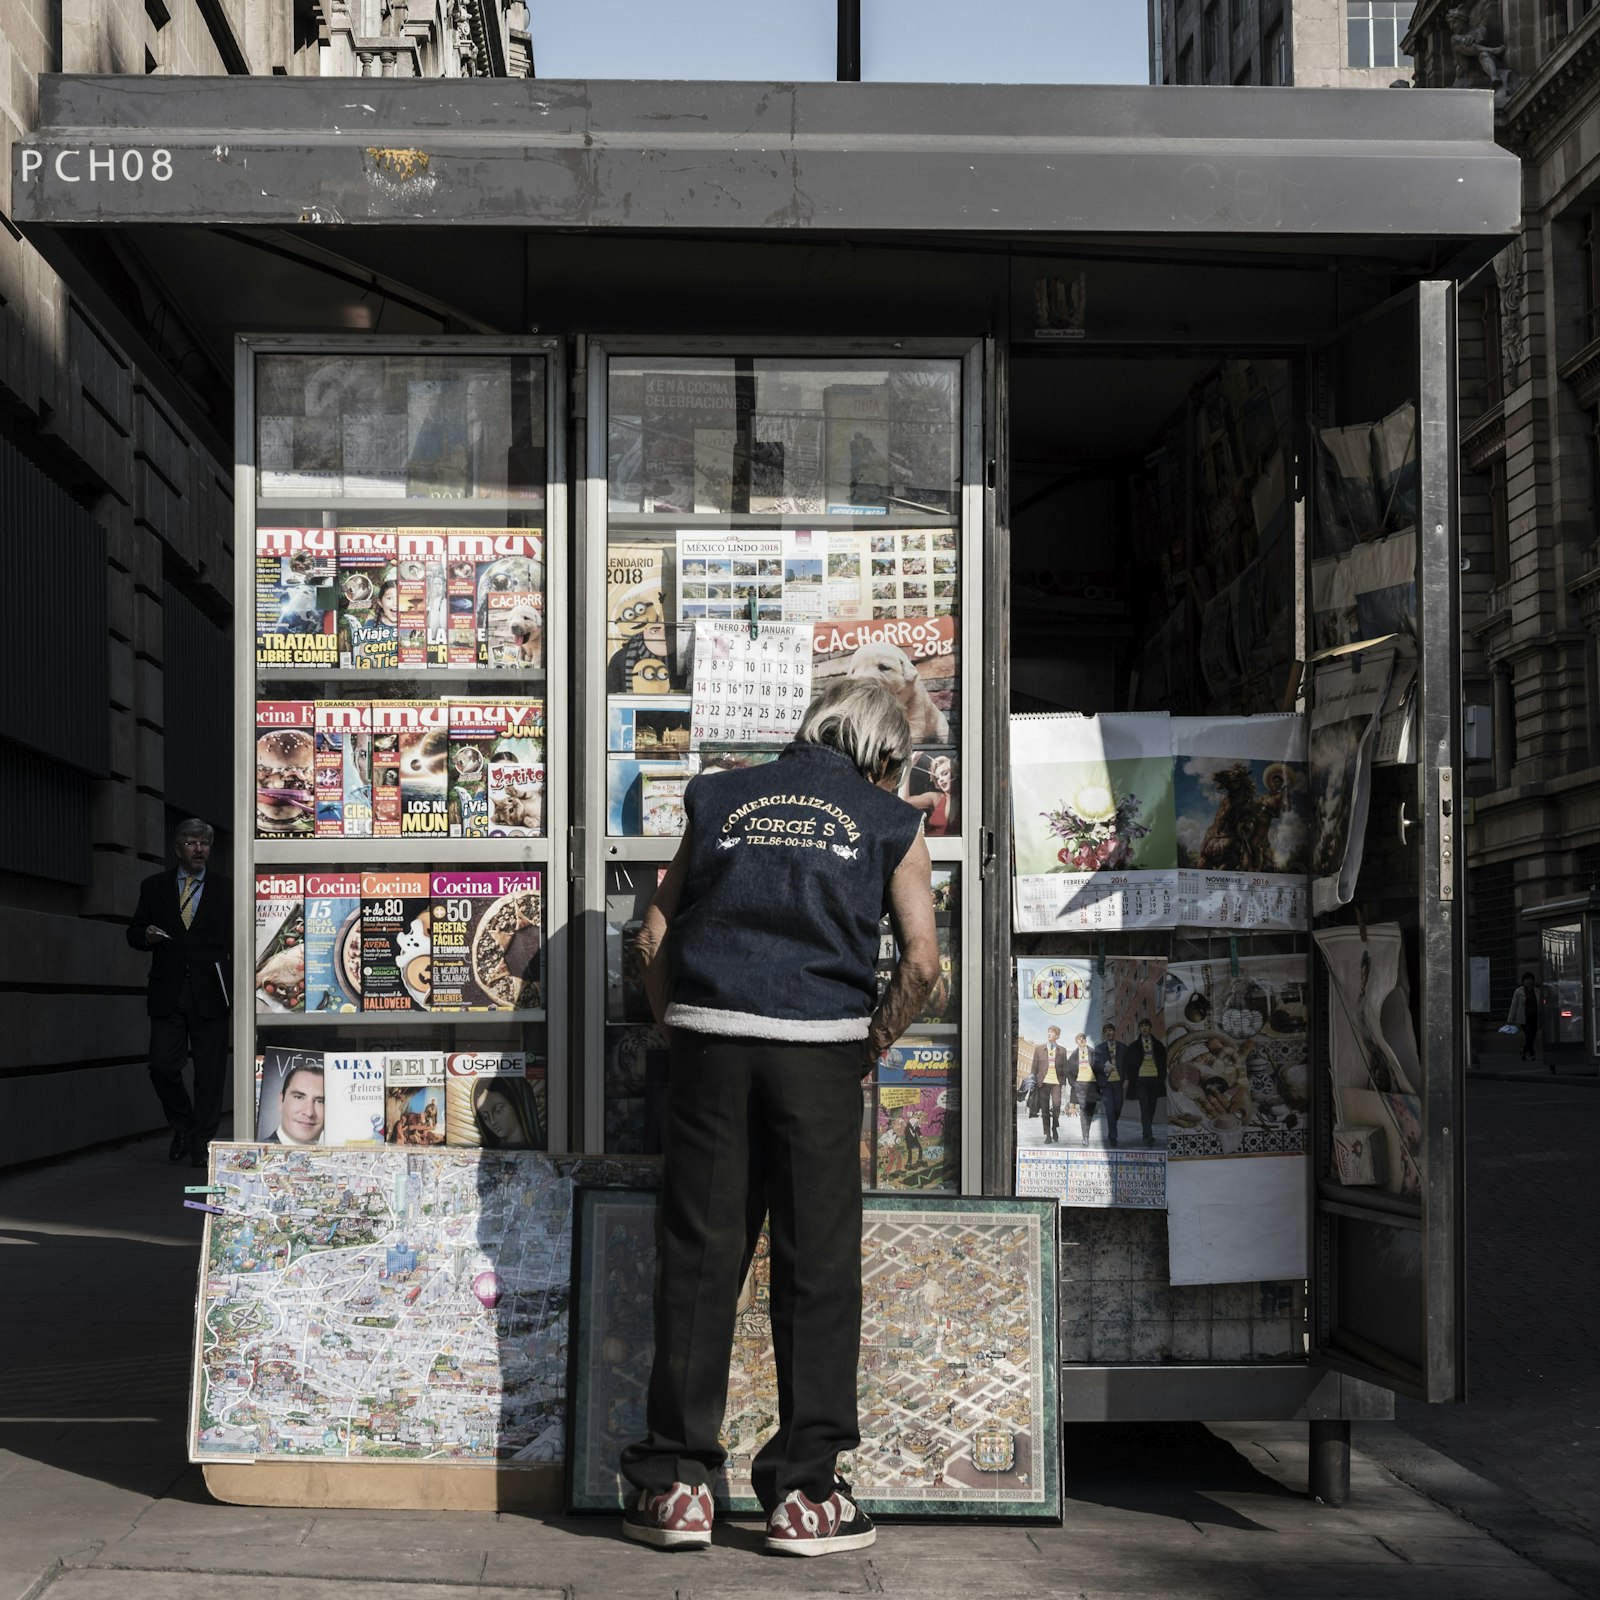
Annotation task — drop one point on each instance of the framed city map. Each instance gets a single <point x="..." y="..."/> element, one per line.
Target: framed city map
<point x="958" y="1357"/>
<point x="388" y="1304"/>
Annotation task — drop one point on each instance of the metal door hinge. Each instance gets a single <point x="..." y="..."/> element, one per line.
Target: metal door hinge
<point x="1447" y="833"/>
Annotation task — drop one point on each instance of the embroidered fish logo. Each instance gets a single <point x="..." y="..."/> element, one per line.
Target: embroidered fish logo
<point x="729" y="844"/>
<point x="845" y="852"/>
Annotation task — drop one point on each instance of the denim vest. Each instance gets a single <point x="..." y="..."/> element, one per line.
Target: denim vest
<point x="776" y="931"/>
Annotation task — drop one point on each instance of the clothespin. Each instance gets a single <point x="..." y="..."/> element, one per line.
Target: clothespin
<point x="1361" y="923"/>
<point x="755" y="626"/>
<point x="204" y="1188"/>
<point x="1233" y="955"/>
<point x="200" y="1205"/>
<point x="1102" y="955"/>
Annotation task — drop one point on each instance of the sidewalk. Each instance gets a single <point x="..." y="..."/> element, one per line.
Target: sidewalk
<point x="99" y="1503"/>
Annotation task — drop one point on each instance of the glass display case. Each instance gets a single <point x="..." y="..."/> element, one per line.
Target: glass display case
<point x="405" y="721"/>
<point x="758" y="523"/>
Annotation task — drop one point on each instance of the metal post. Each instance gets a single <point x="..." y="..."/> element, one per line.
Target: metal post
<point x="849" y="65"/>
<point x="1329" y="1474"/>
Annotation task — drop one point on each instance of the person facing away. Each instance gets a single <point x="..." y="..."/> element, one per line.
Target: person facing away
<point x="184" y="918"/>
<point x="759" y="952"/>
<point x="1524" y="1013"/>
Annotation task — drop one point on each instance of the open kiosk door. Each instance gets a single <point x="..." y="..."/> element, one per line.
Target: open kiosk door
<point x="1384" y="701"/>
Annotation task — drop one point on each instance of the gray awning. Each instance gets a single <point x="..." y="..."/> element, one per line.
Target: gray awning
<point x="1286" y="165"/>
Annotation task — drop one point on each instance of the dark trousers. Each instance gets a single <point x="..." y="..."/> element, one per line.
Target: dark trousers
<point x="1088" y="1099"/>
<point x="1050" y="1105"/>
<point x="756" y="1128"/>
<point x="1149" y="1091"/>
<point x="172" y="1039"/>
<point x="1530" y="1032"/>
<point x="1111" y="1095"/>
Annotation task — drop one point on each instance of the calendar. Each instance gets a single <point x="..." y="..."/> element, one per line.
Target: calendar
<point x="749" y="690"/>
<point x="1079" y="902"/>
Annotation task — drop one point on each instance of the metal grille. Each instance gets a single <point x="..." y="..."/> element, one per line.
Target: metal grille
<point x="53" y="648"/>
<point x="1492" y="929"/>
<point x="197" y="717"/>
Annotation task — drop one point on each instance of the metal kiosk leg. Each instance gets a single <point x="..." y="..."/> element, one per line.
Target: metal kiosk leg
<point x="1328" y="1478"/>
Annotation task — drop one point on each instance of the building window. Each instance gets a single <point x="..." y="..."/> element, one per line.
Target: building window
<point x="1562" y="16"/>
<point x="1274" y="64"/>
<point x="1375" y="28"/>
<point x="1186" y="63"/>
<point x="1209" y="51"/>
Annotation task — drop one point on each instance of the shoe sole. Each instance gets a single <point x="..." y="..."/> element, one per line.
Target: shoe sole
<point x="822" y="1547"/>
<point x="668" y="1538"/>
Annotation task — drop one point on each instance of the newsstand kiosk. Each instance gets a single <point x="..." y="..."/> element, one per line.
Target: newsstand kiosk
<point x="1134" y="405"/>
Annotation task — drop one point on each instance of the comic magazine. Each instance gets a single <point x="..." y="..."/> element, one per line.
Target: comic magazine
<point x="344" y="771"/>
<point x="369" y="600"/>
<point x="494" y="591"/>
<point x="333" y="941"/>
<point x="495" y="1101"/>
<point x="396" y="946"/>
<point x="413" y="1097"/>
<point x="496" y="781"/>
<point x="488" y="932"/>
<point x="285" y="770"/>
<point x="280" y="942"/>
<point x="296" y="598"/>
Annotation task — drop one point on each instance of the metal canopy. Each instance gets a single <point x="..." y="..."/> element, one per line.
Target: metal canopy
<point x="1274" y="166"/>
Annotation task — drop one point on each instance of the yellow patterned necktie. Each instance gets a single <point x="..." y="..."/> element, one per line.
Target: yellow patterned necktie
<point x="186" y="905"/>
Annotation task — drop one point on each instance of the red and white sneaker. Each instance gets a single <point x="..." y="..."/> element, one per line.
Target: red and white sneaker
<point x="680" y="1519"/>
<point x="801" y="1526"/>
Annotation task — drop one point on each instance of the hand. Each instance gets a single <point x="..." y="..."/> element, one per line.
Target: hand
<point x="154" y="935"/>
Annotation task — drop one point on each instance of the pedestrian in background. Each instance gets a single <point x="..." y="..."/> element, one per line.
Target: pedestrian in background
<point x="185" y="920"/>
<point x="759" y="951"/>
<point x="1524" y="1013"/>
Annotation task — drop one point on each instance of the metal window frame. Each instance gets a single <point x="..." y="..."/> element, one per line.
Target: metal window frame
<point x="593" y="851"/>
<point x="543" y="852"/>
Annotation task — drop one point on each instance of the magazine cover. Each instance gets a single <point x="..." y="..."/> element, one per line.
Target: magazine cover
<point x="930" y="783"/>
<point x="413" y="1097"/>
<point x="824" y="575"/>
<point x="915" y="657"/>
<point x="647" y="726"/>
<point x="344" y="781"/>
<point x="856" y="447"/>
<point x="369" y="600"/>
<point x="285" y="770"/>
<point x="333" y="941"/>
<point x="396" y="948"/>
<point x="422" y="750"/>
<point x="944" y="999"/>
<point x="1242" y="798"/>
<point x="290" y="1096"/>
<point x="494" y="1101"/>
<point x="661" y="813"/>
<point x="488" y="936"/>
<point x="383" y="762"/>
<point x="1094" y="831"/>
<point x="913" y="572"/>
<point x="636" y="613"/>
<point x="494" y="587"/>
<point x="280" y="942"/>
<point x="296" y="598"/>
<point x="353" y="1085"/>
<point x="496" y="776"/>
<point x="420" y="568"/>
<point x="918" y="1137"/>
<point x="721" y="574"/>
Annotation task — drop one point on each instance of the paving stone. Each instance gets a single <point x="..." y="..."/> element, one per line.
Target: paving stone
<point x="100" y="1584"/>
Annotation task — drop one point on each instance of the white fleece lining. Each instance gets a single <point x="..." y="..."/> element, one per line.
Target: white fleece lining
<point x="746" y="1025"/>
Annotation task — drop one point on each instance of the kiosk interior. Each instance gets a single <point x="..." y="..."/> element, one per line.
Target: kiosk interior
<point x="1145" y="509"/>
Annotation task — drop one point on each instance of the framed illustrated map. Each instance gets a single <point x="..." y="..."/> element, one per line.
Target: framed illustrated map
<point x="958" y="1358"/>
<point x="388" y="1304"/>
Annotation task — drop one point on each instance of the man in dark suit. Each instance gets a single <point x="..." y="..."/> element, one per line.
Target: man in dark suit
<point x="1108" y="1069"/>
<point x="1049" y="1071"/>
<point x="1144" y="1069"/>
<point x="185" y="919"/>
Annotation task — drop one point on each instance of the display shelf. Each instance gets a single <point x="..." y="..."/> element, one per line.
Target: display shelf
<point x="379" y="853"/>
<point x="329" y="504"/>
<point x="465" y="676"/>
<point x="384" y="1019"/>
<point x="645" y="521"/>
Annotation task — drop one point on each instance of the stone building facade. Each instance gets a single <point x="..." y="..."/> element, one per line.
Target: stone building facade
<point x="1315" y="44"/>
<point x="1530" y="479"/>
<point x="116" y="546"/>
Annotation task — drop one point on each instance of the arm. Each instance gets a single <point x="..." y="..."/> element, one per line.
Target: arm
<point x="142" y="932"/>
<point x="915" y="932"/>
<point x="647" y="959"/>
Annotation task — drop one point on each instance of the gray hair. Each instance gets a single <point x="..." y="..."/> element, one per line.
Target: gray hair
<point x="860" y="718"/>
<point x="194" y="828"/>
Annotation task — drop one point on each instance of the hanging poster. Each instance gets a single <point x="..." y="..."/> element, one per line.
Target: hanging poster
<point x="958" y="1367"/>
<point x="913" y="572"/>
<point x="1366" y="594"/>
<point x="722" y="574"/>
<point x="1238" y="1061"/>
<point x="749" y="690"/>
<point x="1242" y="796"/>
<point x="1093" y="823"/>
<point x="1372" y="1058"/>
<point x="1347" y="699"/>
<point x="1097" y="1134"/>
<point x="914" y="657"/>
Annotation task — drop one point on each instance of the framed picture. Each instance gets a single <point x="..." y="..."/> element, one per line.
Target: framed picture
<point x="958" y="1403"/>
